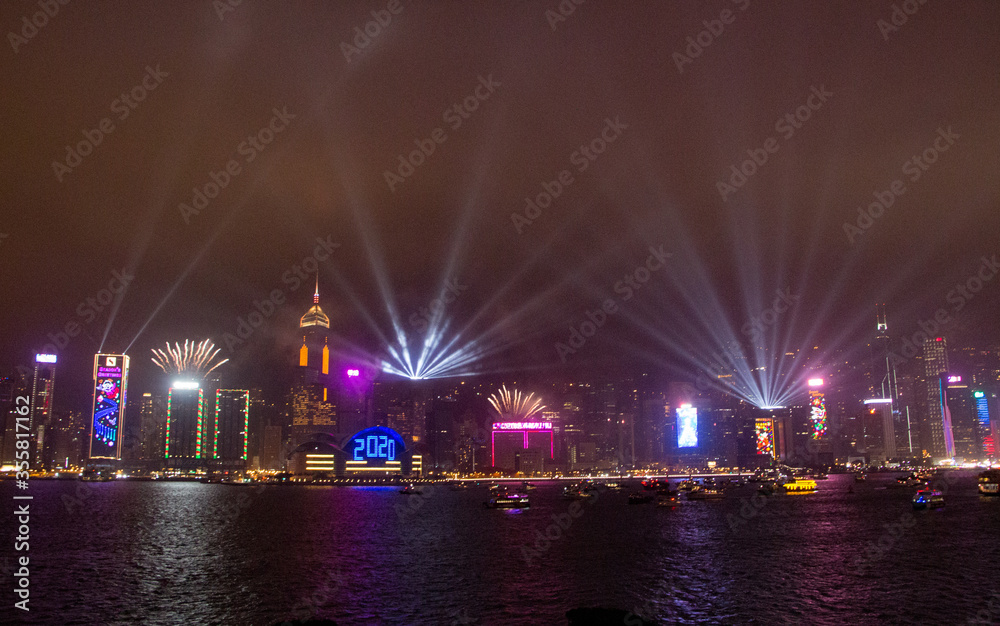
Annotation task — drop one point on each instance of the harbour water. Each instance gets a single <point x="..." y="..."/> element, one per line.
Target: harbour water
<point x="174" y="553"/>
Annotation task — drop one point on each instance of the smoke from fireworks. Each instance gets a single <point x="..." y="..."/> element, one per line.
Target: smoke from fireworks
<point x="191" y="360"/>
<point x="513" y="405"/>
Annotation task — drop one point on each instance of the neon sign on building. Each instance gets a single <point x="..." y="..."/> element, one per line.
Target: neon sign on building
<point x="108" y="414"/>
<point x="817" y="414"/>
<point x="765" y="436"/>
<point x="687" y="426"/>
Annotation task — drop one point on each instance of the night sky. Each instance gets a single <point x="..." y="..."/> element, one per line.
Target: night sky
<point x="340" y="108"/>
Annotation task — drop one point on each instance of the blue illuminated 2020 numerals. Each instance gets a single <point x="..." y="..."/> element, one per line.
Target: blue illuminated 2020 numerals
<point x="374" y="447"/>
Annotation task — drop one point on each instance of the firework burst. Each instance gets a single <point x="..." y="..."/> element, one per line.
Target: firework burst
<point x="514" y="406"/>
<point x="193" y="359"/>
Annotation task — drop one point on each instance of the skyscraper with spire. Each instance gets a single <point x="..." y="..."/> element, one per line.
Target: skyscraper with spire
<point x="311" y="407"/>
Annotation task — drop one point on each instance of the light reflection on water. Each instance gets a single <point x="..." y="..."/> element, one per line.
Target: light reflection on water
<point x="166" y="553"/>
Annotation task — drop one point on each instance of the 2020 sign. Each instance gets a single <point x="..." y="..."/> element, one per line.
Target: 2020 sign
<point x="375" y="446"/>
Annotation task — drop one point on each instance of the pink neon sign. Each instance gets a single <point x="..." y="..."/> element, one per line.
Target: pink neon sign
<point x="522" y="425"/>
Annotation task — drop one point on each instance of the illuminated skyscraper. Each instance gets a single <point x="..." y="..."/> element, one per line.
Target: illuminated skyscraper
<point x="186" y="420"/>
<point x="153" y="419"/>
<point x="310" y="405"/>
<point x="230" y="426"/>
<point x="107" y="417"/>
<point x="42" y="388"/>
<point x="884" y="384"/>
<point x="942" y="440"/>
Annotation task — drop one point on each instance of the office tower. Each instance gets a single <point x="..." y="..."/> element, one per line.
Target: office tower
<point x="9" y="391"/>
<point x="40" y="408"/>
<point x="942" y="442"/>
<point x="965" y="427"/>
<point x="985" y="424"/>
<point x="230" y="428"/>
<point x="185" y="437"/>
<point x="153" y="424"/>
<point x="310" y="405"/>
<point x="441" y="435"/>
<point x="884" y="382"/>
<point x="107" y="417"/>
<point x="270" y="453"/>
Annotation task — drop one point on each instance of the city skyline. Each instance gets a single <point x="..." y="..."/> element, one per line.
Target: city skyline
<point x="503" y="247"/>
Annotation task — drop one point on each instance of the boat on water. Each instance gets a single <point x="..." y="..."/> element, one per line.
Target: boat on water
<point x="821" y="476"/>
<point x="410" y="489"/>
<point x="655" y="484"/>
<point x="668" y="497"/>
<point x="574" y="493"/>
<point x="508" y="501"/>
<point x="639" y="498"/>
<point x="766" y="488"/>
<point x="989" y="483"/>
<point x="928" y="499"/>
<point x="799" y="485"/>
<point x="860" y="478"/>
<point x="687" y="485"/>
<point x="706" y="493"/>
<point x="526" y="487"/>
<point x="911" y="480"/>
<point x="458" y="485"/>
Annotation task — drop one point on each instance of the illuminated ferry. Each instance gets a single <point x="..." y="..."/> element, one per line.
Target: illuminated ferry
<point x="508" y="501"/>
<point x="928" y="499"/>
<point x="989" y="483"/>
<point x="799" y="485"/>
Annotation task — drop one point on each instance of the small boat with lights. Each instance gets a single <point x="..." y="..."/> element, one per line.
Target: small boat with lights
<point x="799" y="485"/>
<point x="508" y="501"/>
<point x="668" y="497"/>
<point x="706" y="493"/>
<point x="989" y="483"/>
<point x="410" y="490"/>
<point x="928" y="499"/>
<point x="526" y="487"/>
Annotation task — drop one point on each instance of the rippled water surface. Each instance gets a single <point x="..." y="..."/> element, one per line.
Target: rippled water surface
<point x="169" y="553"/>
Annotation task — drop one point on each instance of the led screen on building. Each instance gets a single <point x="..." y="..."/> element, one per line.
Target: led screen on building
<point x="374" y="447"/>
<point x="765" y="436"/>
<point x="687" y="426"/>
<point x="107" y="418"/>
<point x="817" y="414"/>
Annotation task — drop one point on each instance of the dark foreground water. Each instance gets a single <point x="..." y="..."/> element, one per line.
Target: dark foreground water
<point x="175" y="553"/>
